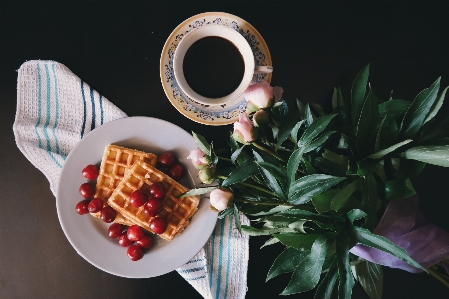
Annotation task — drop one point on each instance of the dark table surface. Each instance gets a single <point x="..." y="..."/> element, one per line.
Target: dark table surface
<point x="115" y="48"/>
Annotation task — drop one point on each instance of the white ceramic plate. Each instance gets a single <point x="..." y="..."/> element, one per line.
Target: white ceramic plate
<point x="213" y="115"/>
<point x="88" y="235"/>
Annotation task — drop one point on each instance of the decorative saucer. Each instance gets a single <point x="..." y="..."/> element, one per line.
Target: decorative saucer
<point x="214" y="115"/>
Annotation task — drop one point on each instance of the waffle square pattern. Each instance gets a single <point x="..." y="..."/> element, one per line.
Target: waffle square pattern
<point x="115" y="162"/>
<point x="177" y="211"/>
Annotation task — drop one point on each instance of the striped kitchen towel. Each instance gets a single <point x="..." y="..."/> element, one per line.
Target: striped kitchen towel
<point x="55" y="110"/>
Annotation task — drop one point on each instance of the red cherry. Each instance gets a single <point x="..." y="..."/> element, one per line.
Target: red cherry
<point x="134" y="233"/>
<point x="115" y="230"/>
<point x="158" y="225"/>
<point x="138" y="198"/>
<point x="124" y="241"/>
<point x="81" y="207"/>
<point x="95" y="205"/>
<point x="135" y="253"/>
<point x="166" y="159"/>
<point x="152" y="207"/>
<point x="90" y="172"/>
<point x="87" y="190"/>
<point x="157" y="190"/>
<point x="176" y="172"/>
<point x="145" y="242"/>
<point x="107" y="214"/>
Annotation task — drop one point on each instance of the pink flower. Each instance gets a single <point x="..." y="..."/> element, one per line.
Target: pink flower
<point x="258" y="96"/>
<point x="220" y="198"/>
<point x="244" y="130"/>
<point x="199" y="159"/>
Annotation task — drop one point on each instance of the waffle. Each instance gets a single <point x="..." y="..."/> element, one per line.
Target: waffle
<point x="115" y="162"/>
<point x="177" y="211"/>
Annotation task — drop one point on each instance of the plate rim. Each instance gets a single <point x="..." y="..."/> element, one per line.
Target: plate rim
<point x="65" y="227"/>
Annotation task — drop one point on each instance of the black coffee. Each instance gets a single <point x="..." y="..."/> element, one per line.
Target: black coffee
<point x="213" y="67"/>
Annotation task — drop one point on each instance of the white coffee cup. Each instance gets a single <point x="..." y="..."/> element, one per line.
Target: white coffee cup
<point x="238" y="41"/>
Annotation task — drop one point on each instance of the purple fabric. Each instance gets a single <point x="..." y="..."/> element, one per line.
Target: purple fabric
<point x="407" y="227"/>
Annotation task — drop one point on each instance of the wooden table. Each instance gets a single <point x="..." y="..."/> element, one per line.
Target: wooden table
<point x="115" y="48"/>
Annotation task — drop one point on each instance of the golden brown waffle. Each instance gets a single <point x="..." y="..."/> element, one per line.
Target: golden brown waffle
<point x="115" y="162"/>
<point x="177" y="211"/>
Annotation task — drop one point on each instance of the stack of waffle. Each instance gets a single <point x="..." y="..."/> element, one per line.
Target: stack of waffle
<point x="123" y="171"/>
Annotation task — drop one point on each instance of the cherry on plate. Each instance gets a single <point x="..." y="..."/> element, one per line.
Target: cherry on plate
<point x="90" y="172"/>
<point x="115" y="230"/>
<point x="166" y="159"/>
<point x="176" y="172"/>
<point x="124" y="241"/>
<point x="107" y="214"/>
<point x="158" y="225"/>
<point x="135" y="252"/>
<point x="95" y="205"/>
<point x="152" y="207"/>
<point x="134" y="233"/>
<point x="157" y="190"/>
<point x="81" y="207"/>
<point x="138" y="198"/>
<point x="87" y="190"/>
<point x="145" y="242"/>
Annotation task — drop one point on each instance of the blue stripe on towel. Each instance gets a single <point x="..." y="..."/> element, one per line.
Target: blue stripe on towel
<point x="217" y="294"/>
<point x="192" y="270"/>
<point x="92" y="99"/>
<point x="195" y="278"/>
<point x="228" y="257"/>
<point x="84" y="115"/>
<point x="101" y="109"/>
<point x="47" y="116"/>
<point x="39" y="95"/>
<point x="212" y="258"/>
<point x="57" y="111"/>
<point x="194" y="261"/>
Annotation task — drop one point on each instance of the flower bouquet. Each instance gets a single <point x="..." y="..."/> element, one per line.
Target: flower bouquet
<point x="335" y="189"/>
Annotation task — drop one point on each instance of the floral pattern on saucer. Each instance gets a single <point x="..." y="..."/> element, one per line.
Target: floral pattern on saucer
<point x="210" y="114"/>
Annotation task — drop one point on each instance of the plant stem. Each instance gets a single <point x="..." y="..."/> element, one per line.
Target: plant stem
<point x="437" y="276"/>
<point x="251" y="186"/>
<point x="224" y="159"/>
<point x="276" y="124"/>
<point x="266" y="203"/>
<point x="268" y="151"/>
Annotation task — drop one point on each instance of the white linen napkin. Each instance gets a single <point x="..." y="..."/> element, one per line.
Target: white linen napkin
<point x="56" y="109"/>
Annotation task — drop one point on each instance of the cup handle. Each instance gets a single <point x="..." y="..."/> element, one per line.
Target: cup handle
<point x="263" y="69"/>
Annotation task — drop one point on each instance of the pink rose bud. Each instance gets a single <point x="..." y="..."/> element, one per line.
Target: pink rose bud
<point x="261" y="119"/>
<point x="207" y="175"/>
<point x="244" y="130"/>
<point x="221" y="198"/>
<point x="258" y="96"/>
<point x="199" y="159"/>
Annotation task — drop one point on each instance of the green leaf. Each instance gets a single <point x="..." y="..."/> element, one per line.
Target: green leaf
<point x="393" y="107"/>
<point x="442" y="130"/>
<point x="286" y="262"/>
<point x="309" y="117"/>
<point x="333" y="222"/>
<point x="343" y="107"/>
<point x="436" y="106"/>
<point x="322" y="202"/>
<point x="365" y="237"/>
<point x="269" y="179"/>
<point x="201" y="143"/>
<point x="418" y="111"/>
<point x="388" y="150"/>
<point x="328" y="166"/>
<point x="356" y="214"/>
<point x="279" y="110"/>
<point x="292" y="165"/>
<point x="199" y="191"/>
<point x="309" y="168"/>
<point x="307" y="273"/>
<point x="409" y="169"/>
<point x="236" y="154"/>
<point x="294" y="132"/>
<point x="371" y="278"/>
<point x="296" y="240"/>
<point x="271" y="211"/>
<point x="303" y="189"/>
<point x="317" y="142"/>
<point x="346" y="280"/>
<point x="287" y="126"/>
<point x="238" y="225"/>
<point x="398" y="189"/>
<point x="324" y="290"/>
<point x="367" y="124"/>
<point x="241" y="173"/>
<point x="269" y="242"/>
<point x="279" y="174"/>
<point x="226" y="212"/>
<point x="343" y="195"/>
<point x="433" y="154"/>
<point x="315" y="129"/>
<point x="369" y="200"/>
<point x="358" y="91"/>
<point x="389" y="133"/>
<point x="339" y="159"/>
<point x="265" y="231"/>
<point x="366" y="167"/>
